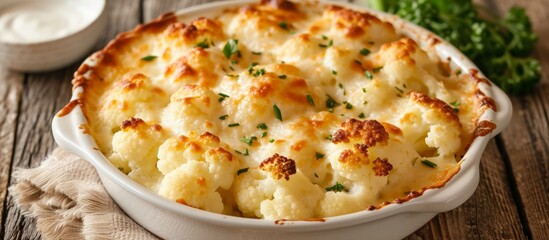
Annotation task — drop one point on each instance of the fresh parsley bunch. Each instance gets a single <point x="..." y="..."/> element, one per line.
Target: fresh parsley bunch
<point x="500" y="47"/>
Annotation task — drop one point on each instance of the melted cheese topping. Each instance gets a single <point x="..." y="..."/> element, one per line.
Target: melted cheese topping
<point x="278" y="110"/>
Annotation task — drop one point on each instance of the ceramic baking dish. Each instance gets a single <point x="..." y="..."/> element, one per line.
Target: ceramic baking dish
<point x="170" y="220"/>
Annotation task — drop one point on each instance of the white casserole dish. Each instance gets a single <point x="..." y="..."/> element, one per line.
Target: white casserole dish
<point x="170" y="220"/>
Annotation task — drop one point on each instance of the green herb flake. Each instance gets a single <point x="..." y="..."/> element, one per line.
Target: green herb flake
<point x="284" y="25"/>
<point x="245" y="153"/>
<point x="364" y="52"/>
<point x="337" y="188"/>
<point x="368" y="74"/>
<point x="282" y="76"/>
<point x="399" y="90"/>
<point x="377" y="69"/>
<point x="330" y="102"/>
<point x="242" y="170"/>
<point x="331" y="43"/>
<point x="310" y="100"/>
<point x="251" y="67"/>
<point x="271" y="140"/>
<point x="322" y="45"/>
<point x="263" y="134"/>
<point x="455" y="105"/>
<point x="223" y="117"/>
<point x="277" y="112"/>
<point x="234" y="125"/>
<point x="262" y="126"/>
<point x="222" y="97"/>
<point x="249" y="140"/>
<point x="324" y="37"/>
<point x="316" y="175"/>
<point x="364" y="90"/>
<point x="361" y="115"/>
<point x="365" y="102"/>
<point x="319" y="155"/>
<point x="259" y="72"/>
<point x="149" y="58"/>
<point x="256" y="53"/>
<point x="429" y="163"/>
<point x="329" y="137"/>
<point x="230" y="48"/>
<point x="348" y="106"/>
<point x="334" y="72"/>
<point x="231" y="75"/>
<point x="204" y="44"/>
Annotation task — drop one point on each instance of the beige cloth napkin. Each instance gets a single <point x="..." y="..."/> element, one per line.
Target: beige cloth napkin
<point x="67" y="199"/>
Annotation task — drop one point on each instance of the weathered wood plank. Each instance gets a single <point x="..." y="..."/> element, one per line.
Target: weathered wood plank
<point x="44" y="95"/>
<point x="489" y="214"/>
<point x="11" y="87"/>
<point x="527" y="138"/>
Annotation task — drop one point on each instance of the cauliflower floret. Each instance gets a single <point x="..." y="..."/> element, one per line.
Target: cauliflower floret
<point x="214" y="167"/>
<point x="135" y="148"/>
<point x="191" y="109"/>
<point x="277" y="190"/>
<point x="339" y="203"/>
<point x="299" y="48"/>
<point x="431" y="123"/>
<point x="191" y="184"/>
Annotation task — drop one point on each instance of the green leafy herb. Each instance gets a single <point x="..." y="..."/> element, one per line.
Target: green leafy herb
<point x="204" y="44"/>
<point x="364" y="51"/>
<point x="284" y="25"/>
<point x="256" y="53"/>
<point x="501" y="47"/>
<point x="230" y="48"/>
<point x="149" y="58"/>
<point x="277" y="112"/>
<point x="455" y="105"/>
<point x="364" y="90"/>
<point x="324" y="37"/>
<point x="329" y="137"/>
<point x="319" y="155"/>
<point x="259" y="72"/>
<point x="377" y="69"/>
<point x="242" y="170"/>
<point x="263" y="134"/>
<point x="262" y="126"/>
<point x="336" y="188"/>
<point x="429" y="163"/>
<point x="334" y="72"/>
<point x="233" y="76"/>
<point x="222" y="97"/>
<point x="361" y="115"/>
<point x="330" y="102"/>
<point x="245" y="153"/>
<point x="271" y="140"/>
<point x="348" y="106"/>
<point x="234" y="125"/>
<point x="310" y="100"/>
<point x="249" y="140"/>
<point x="399" y="90"/>
<point x="251" y="67"/>
<point x="223" y="117"/>
<point x="368" y="74"/>
<point x="282" y="76"/>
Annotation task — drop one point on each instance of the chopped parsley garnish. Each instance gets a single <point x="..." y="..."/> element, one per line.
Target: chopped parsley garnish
<point x="149" y="58"/>
<point x="330" y="102"/>
<point x="340" y="85"/>
<point x="310" y="100"/>
<point x="204" y="44"/>
<point x="234" y="124"/>
<point x="334" y="72"/>
<point x="277" y="112"/>
<point x="245" y="153"/>
<point x="336" y="188"/>
<point x="364" y="51"/>
<point x="222" y="97"/>
<point x="251" y="67"/>
<point x="455" y="105"/>
<point x="263" y="134"/>
<point x="361" y="115"/>
<point x="322" y="45"/>
<point x="377" y="69"/>
<point x="368" y="74"/>
<point x="262" y="126"/>
<point x="458" y="72"/>
<point x="316" y="175"/>
<point x="282" y="76"/>
<point x="230" y="48"/>
<point x="364" y="90"/>
<point x="329" y="137"/>
<point x="284" y="25"/>
<point x="331" y="43"/>
<point x="223" y="117"/>
<point x="319" y="155"/>
<point x="399" y="90"/>
<point x="242" y="170"/>
<point x="429" y="163"/>
<point x="365" y="102"/>
<point x="271" y="140"/>
<point x="249" y="140"/>
<point x="324" y="37"/>
<point x="259" y="72"/>
<point x="233" y="76"/>
<point x="348" y="106"/>
<point x="256" y="53"/>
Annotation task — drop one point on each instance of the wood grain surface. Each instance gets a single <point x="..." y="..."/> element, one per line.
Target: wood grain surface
<point x="511" y="202"/>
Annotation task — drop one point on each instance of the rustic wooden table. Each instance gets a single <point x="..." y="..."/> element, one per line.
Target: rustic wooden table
<point x="511" y="202"/>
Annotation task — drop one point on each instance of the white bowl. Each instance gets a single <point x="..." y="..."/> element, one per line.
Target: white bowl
<point x="58" y="52"/>
<point x="170" y="220"/>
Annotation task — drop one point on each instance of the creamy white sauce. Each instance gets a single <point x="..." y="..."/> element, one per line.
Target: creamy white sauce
<point x="38" y="21"/>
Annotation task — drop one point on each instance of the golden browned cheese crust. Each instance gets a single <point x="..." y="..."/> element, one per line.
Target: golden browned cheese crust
<point x="280" y="110"/>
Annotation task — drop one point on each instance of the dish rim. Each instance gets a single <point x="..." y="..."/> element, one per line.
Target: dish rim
<point x="68" y="134"/>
